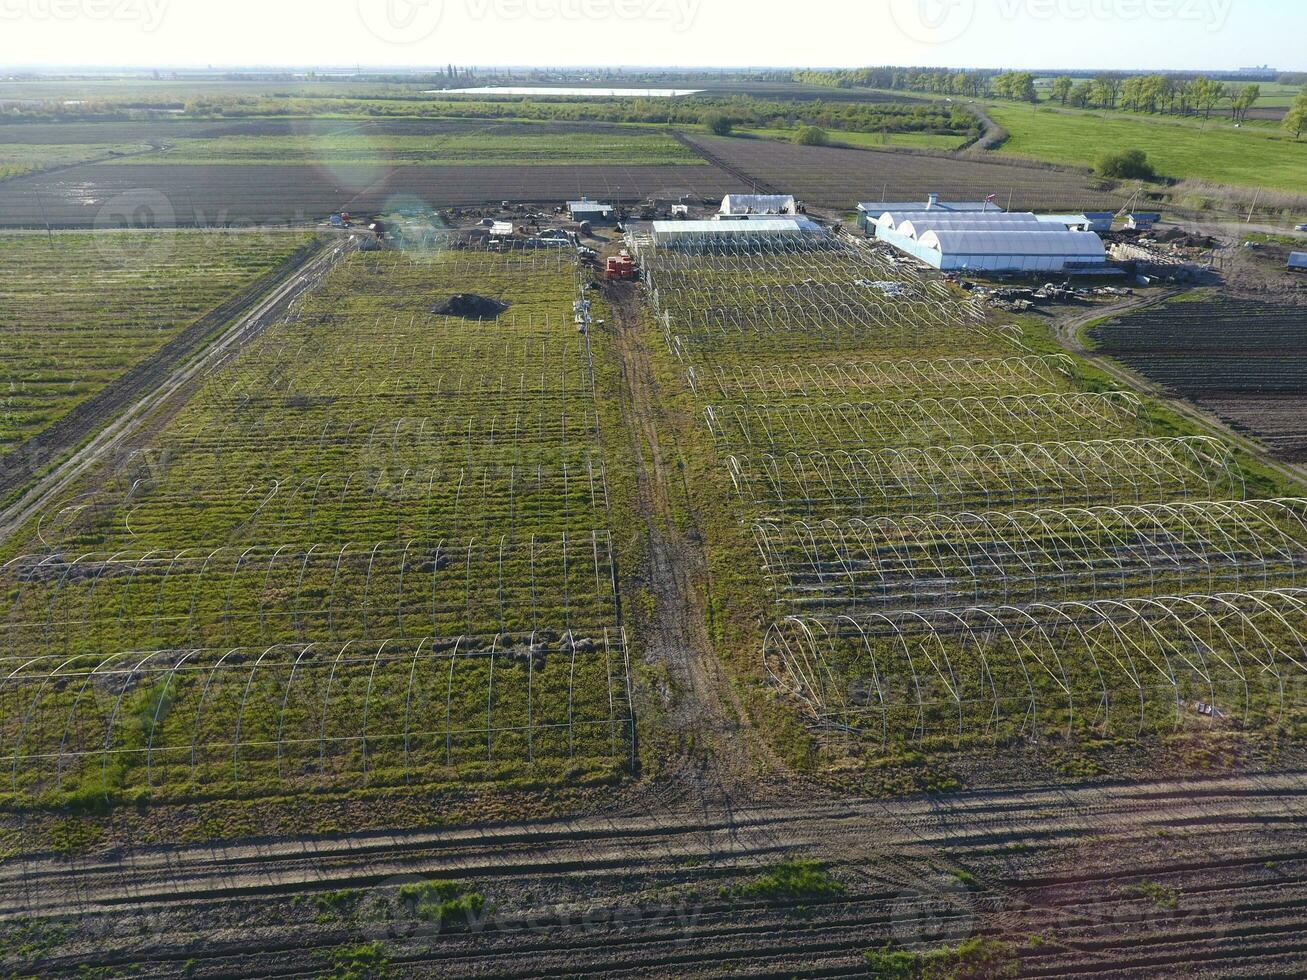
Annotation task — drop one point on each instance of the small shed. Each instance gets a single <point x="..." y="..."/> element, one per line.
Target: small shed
<point x="1142" y="220"/>
<point x="1086" y="221"/>
<point x="592" y="211"/>
<point x="1298" y="261"/>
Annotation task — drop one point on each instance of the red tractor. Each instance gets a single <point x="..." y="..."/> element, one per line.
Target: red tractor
<point x="620" y="266"/>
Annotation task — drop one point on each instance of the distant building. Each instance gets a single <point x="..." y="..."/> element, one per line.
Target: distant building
<point x="741" y="205"/>
<point x="591" y="211"/>
<point x="1142" y="220"/>
<point x="1298" y="261"/>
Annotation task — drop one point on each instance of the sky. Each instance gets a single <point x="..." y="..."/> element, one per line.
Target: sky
<point x="1110" y="34"/>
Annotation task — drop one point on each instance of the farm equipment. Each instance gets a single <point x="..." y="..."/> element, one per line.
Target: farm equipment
<point x="620" y="267"/>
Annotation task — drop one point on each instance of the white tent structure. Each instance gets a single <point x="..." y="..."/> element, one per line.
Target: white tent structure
<point x="916" y="227"/>
<point x="893" y="219"/>
<point x="1011" y="251"/>
<point x="741" y="204"/>
<point x="727" y="230"/>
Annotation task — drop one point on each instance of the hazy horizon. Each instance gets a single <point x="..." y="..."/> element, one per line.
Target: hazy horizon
<point x="396" y="35"/>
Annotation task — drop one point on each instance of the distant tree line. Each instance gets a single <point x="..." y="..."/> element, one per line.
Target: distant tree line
<point x="740" y="111"/>
<point x="1168" y="94"/>
<point x="1295" y="120"/>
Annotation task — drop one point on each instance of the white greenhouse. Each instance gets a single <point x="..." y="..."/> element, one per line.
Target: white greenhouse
<point x="740" y="204"/>
<point x="892" y="219"/>
<point x="728" y="230"/>
<point x="1011" y="251"/>
<point x="916" y="227"/>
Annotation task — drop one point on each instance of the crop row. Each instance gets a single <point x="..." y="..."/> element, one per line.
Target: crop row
<point x="77" y="311"/>
<point x="372" y="549"/>
<point x="959" y="543"/>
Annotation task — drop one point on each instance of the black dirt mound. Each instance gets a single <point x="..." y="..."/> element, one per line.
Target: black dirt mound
<point x="470" y="306"/>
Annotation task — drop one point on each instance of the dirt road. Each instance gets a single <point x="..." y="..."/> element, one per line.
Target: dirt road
<point x="1166" y="877"/>
<point x="723" y="761"/>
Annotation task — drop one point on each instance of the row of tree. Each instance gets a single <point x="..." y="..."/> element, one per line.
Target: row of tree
<point x="1167" y="94"/>
<point x="1172" y="94"/>
<point x="1295" y="120"/>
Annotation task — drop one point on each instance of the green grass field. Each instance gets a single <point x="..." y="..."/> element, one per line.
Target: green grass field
<point x="633" y="146"/>
<point x="877" y="448"/>
<point x="76" y="311"/>
<point x="872" y="141"/>
<point x="17" y="159"/>
<point x="372" y="551"/>
<point x="1251" y="157"/>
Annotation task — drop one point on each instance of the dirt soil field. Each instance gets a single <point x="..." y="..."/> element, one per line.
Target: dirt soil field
<point x="188" y="195"/>
<point x="840" y="178"/>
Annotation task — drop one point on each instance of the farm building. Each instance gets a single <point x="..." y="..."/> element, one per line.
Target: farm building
<point x="869" y="211"/>
<point x="1298" y="261"/>
<point x="1088" y="221"/>
<point x="916" y="225"/>
<point x="924" y="220"/>
<point x="916" y="228"/>
<point x="1019" y="249"/>
<point x="591" y="211"/>
<point x="729" y="230"/>
<point x="739" y="205"/>
<point x="1142" y="220"/>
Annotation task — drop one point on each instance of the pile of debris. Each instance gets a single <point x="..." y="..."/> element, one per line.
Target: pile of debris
<point x="1019" y="299"/>
<point x="470" y="306"/>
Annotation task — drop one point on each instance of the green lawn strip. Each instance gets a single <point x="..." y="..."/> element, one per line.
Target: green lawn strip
<point x="17" y="159"/>
<point x="1177" y="149"/>
<point x="634" y="147"/>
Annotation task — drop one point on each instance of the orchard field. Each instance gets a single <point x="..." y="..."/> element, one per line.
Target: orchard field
<point x="373" y="550"/>
<point x="77" y="311"/>
<point x="967" y="540"/>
